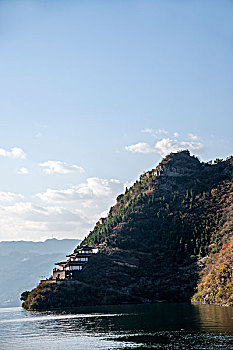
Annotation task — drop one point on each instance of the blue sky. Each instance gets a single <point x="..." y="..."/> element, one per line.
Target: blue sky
<point x="93" y="93"/>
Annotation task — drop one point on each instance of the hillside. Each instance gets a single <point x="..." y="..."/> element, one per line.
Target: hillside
<point x="216" y="283"/>
<point x="23" y="263"/>
<point x="155" y="240"/>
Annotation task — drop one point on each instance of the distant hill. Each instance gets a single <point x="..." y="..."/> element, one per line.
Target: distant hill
<point x="23" y="263"/>
<point x="159" y="241"/>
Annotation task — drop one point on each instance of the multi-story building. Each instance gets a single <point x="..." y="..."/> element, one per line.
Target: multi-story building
<point x="69" y="269"/>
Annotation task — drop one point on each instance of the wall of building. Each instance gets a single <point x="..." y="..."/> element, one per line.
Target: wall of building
<point x="76" y="267"/>
<point x="58" y="274"/>
<point x="81" y="259"/>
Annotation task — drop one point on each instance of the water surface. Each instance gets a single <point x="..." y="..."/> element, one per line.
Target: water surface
<point x="148" y="326"/>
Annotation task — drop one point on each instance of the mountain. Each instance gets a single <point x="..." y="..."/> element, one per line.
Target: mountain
<point x="23" y="263"/>
<point x="159" y="241"/>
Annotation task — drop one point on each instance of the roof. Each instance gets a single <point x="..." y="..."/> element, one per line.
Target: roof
<point x="76" y="263"/>
<point x="70" y="255"/>
<point x="71" y="263"/>
<point x="85" y="247"/>
<point x="88" y="246"/>
<point x="83" y="255"/>
<point x="61" y="263"/>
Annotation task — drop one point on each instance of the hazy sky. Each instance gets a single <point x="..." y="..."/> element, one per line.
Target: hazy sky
<point x="93" y="93"/>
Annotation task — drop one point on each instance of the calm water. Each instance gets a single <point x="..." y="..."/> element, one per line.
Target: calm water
<point x="150" y="326"/>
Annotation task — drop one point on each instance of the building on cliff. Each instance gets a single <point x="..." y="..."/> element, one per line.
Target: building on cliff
<point x="69" y="269"/>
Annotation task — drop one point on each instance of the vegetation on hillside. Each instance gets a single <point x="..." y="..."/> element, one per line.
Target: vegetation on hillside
<point x="216" y="283"/>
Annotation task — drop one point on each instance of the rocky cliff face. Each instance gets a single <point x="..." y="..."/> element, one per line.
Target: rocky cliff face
<point x="154" y="238"/>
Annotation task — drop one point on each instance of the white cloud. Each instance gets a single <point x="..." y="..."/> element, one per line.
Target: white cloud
<point x="154" y="132"/>
<point x="69" y="194"/>
<point x="148" y="131"/>
<point x="161" y="131"/>
<point x="15" y="152"/>
<point x="93" y="188"/>
<point x="52" y="166"/>
<point x="140" y="147"/>
<point x="23" y="171"/>
<point x="166" y="145"/>
<point x="116" y="181"/>
<point x="176" y="134"/>
<point x="193" y="137"/>
<point x="10" y="197"/>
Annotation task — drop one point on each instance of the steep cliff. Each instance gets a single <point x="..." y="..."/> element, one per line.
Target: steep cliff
<point x="157" y="239"/>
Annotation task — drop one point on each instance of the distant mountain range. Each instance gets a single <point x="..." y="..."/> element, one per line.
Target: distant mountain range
<point x="23" y="264"/>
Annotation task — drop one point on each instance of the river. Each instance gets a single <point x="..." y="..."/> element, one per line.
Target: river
<point x="148" y="326"/>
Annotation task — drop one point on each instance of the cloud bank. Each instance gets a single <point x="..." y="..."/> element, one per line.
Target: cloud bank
<point x="71" y="212"/>
<point x="15" y="152"/>
<point x="167" y="145"/>
<point x="140" y="147"/>
<point x="23" y="171"/>
<point x="56" y="166"/>
<point x="94" y="188"/>
<point x="10" y="197"/>
<point x="38" y="222"/>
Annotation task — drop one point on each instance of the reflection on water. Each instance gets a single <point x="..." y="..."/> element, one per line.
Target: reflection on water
<point x="150" y="326"/>
<point x="216" y="318"/>
<point x="54" y="317"/>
